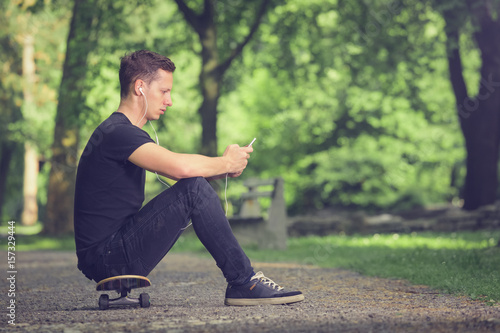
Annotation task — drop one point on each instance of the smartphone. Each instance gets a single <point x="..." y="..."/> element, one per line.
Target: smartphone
<point x="251" y="143"/>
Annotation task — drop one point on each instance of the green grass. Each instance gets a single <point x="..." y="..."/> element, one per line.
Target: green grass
<point x="37" y="242"/>
<point x="28" y="238"/>
<point x="21" y="229"/>
<point x="462" y="263"/>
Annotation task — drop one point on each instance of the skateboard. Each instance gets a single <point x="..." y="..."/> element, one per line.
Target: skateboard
<point x="123" y="284"/>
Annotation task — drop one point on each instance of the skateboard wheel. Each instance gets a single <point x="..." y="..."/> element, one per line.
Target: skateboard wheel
<point x="144" y="300"/>
<point x="103" y="302"/>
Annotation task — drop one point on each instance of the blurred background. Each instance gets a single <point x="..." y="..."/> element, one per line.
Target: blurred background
<point x="361" y="105"/>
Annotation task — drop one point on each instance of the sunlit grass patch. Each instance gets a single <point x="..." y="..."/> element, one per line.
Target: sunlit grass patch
<point x="22" y="229"/>
<point x="414" y="240"/>
<point x="465" y="263"/>
<point x="38" y="242"/>
<point x="28" y="238"/>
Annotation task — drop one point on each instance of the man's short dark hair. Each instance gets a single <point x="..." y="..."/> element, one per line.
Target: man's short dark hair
<point x="142" y="65"/>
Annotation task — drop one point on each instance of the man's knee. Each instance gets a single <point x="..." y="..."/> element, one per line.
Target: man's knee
<point x="194" y="183"/>
<point x="191" y="181"/>
<point x="198" y="186"/>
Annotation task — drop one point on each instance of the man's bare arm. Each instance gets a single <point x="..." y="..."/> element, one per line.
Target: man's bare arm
<point x="178" y="166"/>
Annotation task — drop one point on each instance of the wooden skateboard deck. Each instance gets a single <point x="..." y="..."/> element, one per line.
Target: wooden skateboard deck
<point x="121" y="282"/>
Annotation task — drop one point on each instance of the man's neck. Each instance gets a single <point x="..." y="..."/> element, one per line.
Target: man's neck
<point x="132" y="110"/>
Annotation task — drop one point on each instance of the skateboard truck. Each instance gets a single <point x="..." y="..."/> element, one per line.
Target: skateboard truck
<point x="123" y="284"/>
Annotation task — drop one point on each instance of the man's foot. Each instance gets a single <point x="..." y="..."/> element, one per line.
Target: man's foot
<point x="260" y="290"/>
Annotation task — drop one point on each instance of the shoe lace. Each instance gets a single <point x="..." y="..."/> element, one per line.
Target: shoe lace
<point x="267" y="281"/>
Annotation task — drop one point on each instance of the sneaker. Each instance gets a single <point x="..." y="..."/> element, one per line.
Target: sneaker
<point x="260" y="290"/>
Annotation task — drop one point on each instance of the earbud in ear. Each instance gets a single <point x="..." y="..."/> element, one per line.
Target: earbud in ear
<point x="140" y="89"/>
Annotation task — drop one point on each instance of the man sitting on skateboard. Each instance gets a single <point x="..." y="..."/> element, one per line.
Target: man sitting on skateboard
<point x="114" y="235"/>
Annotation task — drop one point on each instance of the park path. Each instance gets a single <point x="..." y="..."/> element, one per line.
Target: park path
<point x="188" y="293"/>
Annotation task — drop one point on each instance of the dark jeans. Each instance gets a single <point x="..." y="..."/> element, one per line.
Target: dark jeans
<point x="146" y="238"/>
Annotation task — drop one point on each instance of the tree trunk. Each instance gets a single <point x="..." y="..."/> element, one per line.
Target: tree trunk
<point x="30" y="187"/>
<point x="213" y="70"/>
<point x="59" y="216"/>
<point x="29" y="215"/>
<point x="482" y="128"/>
<point x="481" y="133"/>
<point x="479" y="116"/>
<point x="6" y="151"/>
<point x="10" y="97"/>
<point x="210" y="88"/>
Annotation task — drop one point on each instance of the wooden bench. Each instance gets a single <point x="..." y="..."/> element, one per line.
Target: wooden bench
<point x="251" y="227"/>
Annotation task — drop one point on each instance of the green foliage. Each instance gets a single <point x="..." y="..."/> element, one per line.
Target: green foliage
<point x="350" y="101"/>
<point x="371" y="126"/>
<point x="34" y="122"/>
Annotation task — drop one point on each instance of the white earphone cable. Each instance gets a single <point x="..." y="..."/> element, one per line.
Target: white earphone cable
<point x="156" y="135"/>
<point x="158" y="143"/>
<point x="225" y="194"/>
<point x="146" y="108"/>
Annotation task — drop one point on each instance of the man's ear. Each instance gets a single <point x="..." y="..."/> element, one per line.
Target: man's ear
<point x="138" y="85"/>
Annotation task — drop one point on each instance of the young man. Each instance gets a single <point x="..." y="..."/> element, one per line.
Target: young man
<point x="114" y="235"/>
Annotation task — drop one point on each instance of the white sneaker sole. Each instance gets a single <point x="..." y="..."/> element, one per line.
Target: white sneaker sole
<point x="261" y="301"/>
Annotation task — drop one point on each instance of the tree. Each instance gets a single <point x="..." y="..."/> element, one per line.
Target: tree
<point x="479" y="115"/>
<point x="81" y="41"/>
<point x="31" y="163"/>
<point x="343" y="98"/>
<point x="213" y="67"/>
<point x="10" y="98"/>
<point x="34" y="31"/>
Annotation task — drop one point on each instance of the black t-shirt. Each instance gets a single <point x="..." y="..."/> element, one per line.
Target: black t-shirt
<point x="109" y="188"/>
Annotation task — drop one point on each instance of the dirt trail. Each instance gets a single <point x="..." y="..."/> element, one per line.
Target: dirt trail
<point x="188" y="293"/>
